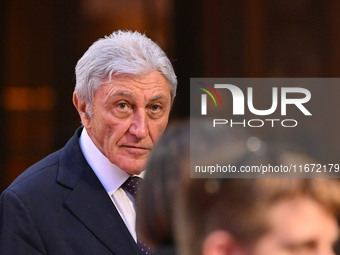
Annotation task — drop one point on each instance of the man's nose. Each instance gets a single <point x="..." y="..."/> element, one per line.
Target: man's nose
<point x="139" y="124"/>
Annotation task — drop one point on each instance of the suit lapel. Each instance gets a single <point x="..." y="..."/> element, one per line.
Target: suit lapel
<point x="90" y="203"/>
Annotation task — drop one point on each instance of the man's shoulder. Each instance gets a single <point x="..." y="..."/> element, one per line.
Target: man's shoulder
<point x="41" y="171"/>
<point x="61" y="167"/>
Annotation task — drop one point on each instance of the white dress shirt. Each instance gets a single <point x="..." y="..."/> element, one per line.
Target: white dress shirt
<point x="111" y="177"/>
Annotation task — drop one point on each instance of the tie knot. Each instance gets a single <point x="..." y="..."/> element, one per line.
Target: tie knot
<point x="131" y="185"/>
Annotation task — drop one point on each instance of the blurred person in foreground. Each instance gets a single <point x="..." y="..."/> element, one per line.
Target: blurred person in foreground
<point x="262" y="216"/>
<point x="73" y="201"/>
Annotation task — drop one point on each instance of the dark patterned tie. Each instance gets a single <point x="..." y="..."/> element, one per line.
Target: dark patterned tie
<point x="131" y="186"/>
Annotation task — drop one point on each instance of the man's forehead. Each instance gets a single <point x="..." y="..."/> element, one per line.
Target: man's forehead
<point x="151" y="87"/>
<point x="302" y="218"/>
<point x="112" y="94"/>
<point x="141" y="78"/>
<point x="131" y="94"/>
<point x="135" y="84"/>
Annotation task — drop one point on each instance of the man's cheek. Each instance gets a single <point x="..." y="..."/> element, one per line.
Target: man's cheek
<point x="161" y="128"/>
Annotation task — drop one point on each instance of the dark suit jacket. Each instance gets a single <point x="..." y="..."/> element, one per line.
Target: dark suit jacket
<point x="58" y="206"/>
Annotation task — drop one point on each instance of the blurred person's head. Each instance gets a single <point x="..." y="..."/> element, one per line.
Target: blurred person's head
<point x="125" y="87"/>
<point x="259" y="216"/>
<point x="234" y="216"/>
<point x="155" y="214"/>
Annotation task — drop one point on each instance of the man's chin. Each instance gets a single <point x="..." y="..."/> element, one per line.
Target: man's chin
<point x="133" y="170"/>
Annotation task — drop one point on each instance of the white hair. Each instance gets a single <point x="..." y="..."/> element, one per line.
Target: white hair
<point x="122" y="52"/>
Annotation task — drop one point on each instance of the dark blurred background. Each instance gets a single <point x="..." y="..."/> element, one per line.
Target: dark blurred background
<point x="41" y="41"/>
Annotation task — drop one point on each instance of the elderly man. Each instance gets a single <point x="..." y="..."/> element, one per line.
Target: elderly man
<point x="73" y="201"/>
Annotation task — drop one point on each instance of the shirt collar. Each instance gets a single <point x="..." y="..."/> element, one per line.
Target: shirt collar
<point x="109" y="174"/>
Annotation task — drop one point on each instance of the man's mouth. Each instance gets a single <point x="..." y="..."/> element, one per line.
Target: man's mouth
<point x="136" y="149"/>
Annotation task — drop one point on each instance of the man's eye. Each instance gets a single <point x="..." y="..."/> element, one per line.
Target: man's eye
<point x="155" y="111"/>
<point x="156" y="108"/>
<point x="122" y="106"/>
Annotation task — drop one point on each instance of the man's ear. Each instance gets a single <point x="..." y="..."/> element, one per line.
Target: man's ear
<point x="220" y="242"/>
<point x="82" y="109"/>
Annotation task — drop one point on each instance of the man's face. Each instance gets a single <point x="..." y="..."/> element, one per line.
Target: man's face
<point x="129" y="116"/>
<point x="298" y="227"/>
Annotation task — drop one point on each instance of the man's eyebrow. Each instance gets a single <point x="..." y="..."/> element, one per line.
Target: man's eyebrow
<point x="157" y="97"/>
<point x="128" y="94"/>
<point x="301" y="244"/>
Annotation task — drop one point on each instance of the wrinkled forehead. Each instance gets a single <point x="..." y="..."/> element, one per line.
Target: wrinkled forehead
<point x="133" y="77"/>
<point x="152" y="86"/>
<point x="144" y="80"/>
